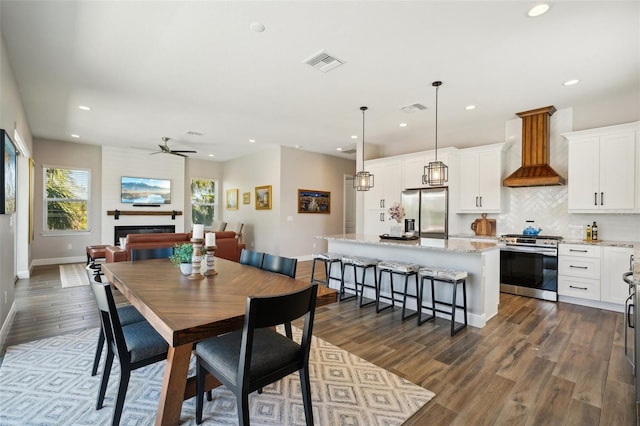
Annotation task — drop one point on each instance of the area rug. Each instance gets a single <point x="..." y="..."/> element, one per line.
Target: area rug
<point x="48" y="382"/>
<point x="73" y="275"/>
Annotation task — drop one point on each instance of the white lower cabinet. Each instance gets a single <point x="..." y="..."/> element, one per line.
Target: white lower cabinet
<point x="579" y="271"/>
<point x="593" y="272"/>
<point x="615" y="262"/>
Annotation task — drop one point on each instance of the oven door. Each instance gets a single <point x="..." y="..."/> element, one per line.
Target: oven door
<point x="529" y="271"/>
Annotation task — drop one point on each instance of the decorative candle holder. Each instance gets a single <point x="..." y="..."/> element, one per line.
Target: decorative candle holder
<point x="210" y="261"/>
<point x="196" y="259"/>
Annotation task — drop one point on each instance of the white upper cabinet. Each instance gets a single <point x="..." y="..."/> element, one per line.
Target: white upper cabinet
<point x="603" y="169"/>
<point x="413" y="168"/>
<point x="387" y="187"/>
<point x="480" y="180"/>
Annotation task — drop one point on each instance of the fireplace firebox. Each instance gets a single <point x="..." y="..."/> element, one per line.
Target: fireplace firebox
<point x="122" y="231"/>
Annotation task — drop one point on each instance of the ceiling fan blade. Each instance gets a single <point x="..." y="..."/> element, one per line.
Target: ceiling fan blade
<point x="192" y="152"/>
<point x="177" y="153"/>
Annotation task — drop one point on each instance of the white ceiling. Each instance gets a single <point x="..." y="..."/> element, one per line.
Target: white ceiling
<point x="151" y="69"/>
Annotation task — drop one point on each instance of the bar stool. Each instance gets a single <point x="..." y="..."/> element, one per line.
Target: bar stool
<point x="95" y="252"/>
<point x="328" y="259"/>
<point x="362" y="263"/>
<point x="405" y="269"/>
<point x="448" y="276"/>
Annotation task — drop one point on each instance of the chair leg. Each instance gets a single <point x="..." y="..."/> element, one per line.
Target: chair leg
<point x="243" y="408"/>
<point x="305" y="385"/>
<point x="96" y="359"/>
<point x="287" y="330"/>
<point x="200" y="379"/>
<point x="313" y="269"/>
<point x="105" y="378"/>
<point x="125" y="373"/>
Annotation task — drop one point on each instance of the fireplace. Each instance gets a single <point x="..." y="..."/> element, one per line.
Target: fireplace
<point x="122" y="231"/>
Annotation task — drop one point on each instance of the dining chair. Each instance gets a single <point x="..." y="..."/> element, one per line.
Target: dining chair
<point x="127" y="314"/>
<point x="256" y="356"/>
<point x="252" y="258"/>
<point x="280" y="264"/>
<point x="136" y="345"/>
<point x="151" y="253"/>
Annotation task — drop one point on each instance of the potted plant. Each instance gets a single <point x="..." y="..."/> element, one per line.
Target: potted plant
<point x="182" y="256"/>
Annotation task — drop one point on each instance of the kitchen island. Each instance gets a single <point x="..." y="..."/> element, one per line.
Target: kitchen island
<point x="481" y="260"/>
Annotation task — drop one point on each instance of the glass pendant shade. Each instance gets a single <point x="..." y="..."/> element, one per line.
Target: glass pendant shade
<point x="363" y="180"/>
<point x="435" y="173"/>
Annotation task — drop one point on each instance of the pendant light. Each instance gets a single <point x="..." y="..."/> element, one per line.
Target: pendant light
<point x="436" y="172"/>
<point x="363" y="181"/>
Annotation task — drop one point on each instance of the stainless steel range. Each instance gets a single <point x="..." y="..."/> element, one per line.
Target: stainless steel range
<point x="529" y="265"/>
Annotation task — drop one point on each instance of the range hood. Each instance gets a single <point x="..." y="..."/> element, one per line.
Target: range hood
<point x="535" y="170"/>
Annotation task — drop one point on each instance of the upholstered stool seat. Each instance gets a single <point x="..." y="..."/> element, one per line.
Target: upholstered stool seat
<point x="448" y="276"/>
<point x="95" y="252"/>
<point x="328" y="259"/>
<point x="398" y="268"/>
<point x="362" y="263"/>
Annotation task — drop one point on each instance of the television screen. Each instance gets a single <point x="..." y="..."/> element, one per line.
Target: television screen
<point x="135" y="190"/>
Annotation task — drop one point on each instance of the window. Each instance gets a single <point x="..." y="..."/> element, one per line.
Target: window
<point x="66" y="199"/>
<point x="203" y="201"/>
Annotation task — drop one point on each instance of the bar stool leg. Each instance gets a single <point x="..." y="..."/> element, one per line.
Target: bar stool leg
<point x="313" y="270"/>
<point x="341" y="294"/>
<point x="375" y="280"/>
<point x="421" y="301"/>
<point x="454" y="306"/>
<point x="378" y="285"/>
<point x="404" y="299"/>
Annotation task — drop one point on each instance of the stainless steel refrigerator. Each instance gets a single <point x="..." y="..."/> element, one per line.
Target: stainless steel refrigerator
<point x="429" y="207"/>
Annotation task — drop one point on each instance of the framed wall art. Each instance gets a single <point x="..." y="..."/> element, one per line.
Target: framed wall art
<point x="263" y="197"/>
<point x="232" y="199"/>
<point x="8" y="180"/>
<point x="312" y="201"/>
<point x="246" y="198"/>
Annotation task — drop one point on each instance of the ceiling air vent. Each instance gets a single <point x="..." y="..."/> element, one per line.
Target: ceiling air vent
<point x="193" y="133"/>
<point x="413" y="108"/>
<point x="324" y="62"/>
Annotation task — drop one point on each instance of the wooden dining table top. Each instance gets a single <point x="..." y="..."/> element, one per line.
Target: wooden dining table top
<point x="186" y="311"/>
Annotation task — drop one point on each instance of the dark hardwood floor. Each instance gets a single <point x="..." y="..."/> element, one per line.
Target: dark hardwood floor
<point x="536" y="363"/>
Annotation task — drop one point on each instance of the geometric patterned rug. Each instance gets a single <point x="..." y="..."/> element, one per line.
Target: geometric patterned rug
<point x="73" y="275"/>
<point x="48" y="382"/>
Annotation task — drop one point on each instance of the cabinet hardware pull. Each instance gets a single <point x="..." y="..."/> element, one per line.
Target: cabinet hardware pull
<point x="595" y="198"/>
<point x="602" y="198"/>
<point x="477" y="202"/>
<point x="480" y="201"/>
<point x="381" y="217"/>
<point x="579" y="288"/>
<point x="579" y="251"/>
<point x="578" y="267"/>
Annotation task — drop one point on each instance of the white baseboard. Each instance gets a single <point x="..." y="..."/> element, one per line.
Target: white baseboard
<point x="59" y="260"/>
<point x="592" y="303"/>
<point x="4" y="331"/>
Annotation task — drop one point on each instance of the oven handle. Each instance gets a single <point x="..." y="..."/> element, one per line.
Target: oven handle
<point x="532" y="250"/>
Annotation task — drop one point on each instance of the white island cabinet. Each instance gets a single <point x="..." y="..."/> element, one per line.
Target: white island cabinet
<point x="481" y="260"/>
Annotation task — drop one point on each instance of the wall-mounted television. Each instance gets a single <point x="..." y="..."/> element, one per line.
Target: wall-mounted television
<point x="147" y="191"/>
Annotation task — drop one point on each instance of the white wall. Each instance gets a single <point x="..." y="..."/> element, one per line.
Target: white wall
<point x="118" y="162"/>
<point x="13" y="226"/>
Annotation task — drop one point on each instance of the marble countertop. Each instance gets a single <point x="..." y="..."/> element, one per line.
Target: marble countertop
<point x="605" y="243"/>
<point x="455" y="245"/>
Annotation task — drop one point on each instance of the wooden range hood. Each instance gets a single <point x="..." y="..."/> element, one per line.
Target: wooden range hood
<point x="535" y="170"/>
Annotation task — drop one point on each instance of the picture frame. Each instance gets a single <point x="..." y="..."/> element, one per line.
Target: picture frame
<point x="314" y="201"/>
<point x="232" y="199"/>
<point x="246" y="198"/>
<point x="263" y="196"/>
<point x="8" y="177"/>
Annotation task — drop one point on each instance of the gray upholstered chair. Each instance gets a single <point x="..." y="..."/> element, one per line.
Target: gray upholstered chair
<point x="256" y="356"/>
<point x="136" y="345"/>
<point x="280" y="264"/>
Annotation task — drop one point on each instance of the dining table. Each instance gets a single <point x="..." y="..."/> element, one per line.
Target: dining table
<point x="184" y="311"/>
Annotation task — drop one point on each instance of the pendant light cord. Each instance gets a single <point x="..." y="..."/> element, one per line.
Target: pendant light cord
<point x="437" y="85"/>
<point x="363" y="109"/>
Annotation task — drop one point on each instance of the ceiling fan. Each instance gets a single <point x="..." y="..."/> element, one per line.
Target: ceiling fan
<point x="164" y="149"/>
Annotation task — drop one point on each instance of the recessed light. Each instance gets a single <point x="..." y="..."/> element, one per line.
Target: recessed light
<point x="403" y="124"/>
<point x="539" y="9"/>
<point x="571" y="82"/>
<point x="256" y="27"/>
<point x="252" y="140"/>
<point x="211" y="155"/>
<point x="84" y="107"/>
<point x="75" y="136"/>
<point x="298" y="146"/>
<point x="354" y="136"/>
<point x="470" y="107"/>
<point x="338" y="149"/>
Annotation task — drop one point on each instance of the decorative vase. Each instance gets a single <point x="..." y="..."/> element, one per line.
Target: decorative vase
<point x="185" y="268"/>
<point x="396" y="231"/>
